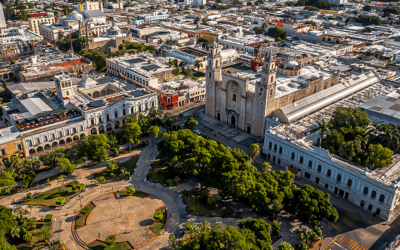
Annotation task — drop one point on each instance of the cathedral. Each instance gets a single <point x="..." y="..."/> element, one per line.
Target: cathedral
<point x="244" y="99"/>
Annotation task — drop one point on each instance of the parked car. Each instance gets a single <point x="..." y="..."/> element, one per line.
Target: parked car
<point x="206" y="136"/>
<point x="227" y="148"/>
<point x="196" y="132"/>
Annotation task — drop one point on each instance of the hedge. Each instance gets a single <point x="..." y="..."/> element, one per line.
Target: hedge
<point x="111" y="240"/>
<point x="48" y="218"/>
<point x="60" y="201"/>
<point x="85" y="210"/>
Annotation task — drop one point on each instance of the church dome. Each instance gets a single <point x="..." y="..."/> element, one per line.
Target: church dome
<point x="294" y="85"/>
<point x="86" y="83"/>
<point x="114" y="28"/>
<point x="75" y="16"/>
<point x="290" y="63"/>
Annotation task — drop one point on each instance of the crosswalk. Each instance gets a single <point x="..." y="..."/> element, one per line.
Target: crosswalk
<point x="345" y="224"/>
<point x="349" y="244"/>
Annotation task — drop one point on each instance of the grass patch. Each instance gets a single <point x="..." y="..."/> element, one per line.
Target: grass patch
<point x="49" y="197"/>
<point x="158" y="226"/>
<point x="136" y="194"/>
<point x="81" y="219"/>
<point x="100" y="245"/>
<point x="197" y="75"/>
<point x="158" y="172"/>
<point x="130" y="164"/>
<point x="221" y="209"/>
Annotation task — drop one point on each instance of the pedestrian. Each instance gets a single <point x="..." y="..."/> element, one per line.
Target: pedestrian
<point x="170" y="214"/>
<point x="154" y="186"/>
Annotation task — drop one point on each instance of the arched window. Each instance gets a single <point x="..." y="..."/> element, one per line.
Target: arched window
<point x="210" y="74"/>
<point x="275" y="147"/>
<point x="270" y="145"/>
<point x="319" y="168"/>
<point x="373" y="194"/>
<point x="234" y="97"/>
<point x="272" y="78"/>
<point x="349" y="182"/>
<point x="339" y="177"/>
<point x="365" y="190"/>
<point x="310" y="164"/>
<point x="280" y="150"/>
<point x="301" y="160"/>
<point x="329" y="173"/>
<point x="381" y="198"/>
<point x="293" y="156"/>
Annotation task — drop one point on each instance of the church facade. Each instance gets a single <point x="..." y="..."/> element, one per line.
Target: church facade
<point x="243" y="101"/>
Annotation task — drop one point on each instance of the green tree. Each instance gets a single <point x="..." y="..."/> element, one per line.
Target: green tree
<point x="202" y="7"/>
<point x="154" y="131"/>
<point x="28" y="179"/>
<point x="198" y="64"/>
<point x="51" y="159"/>
<point x="66" y="166"/>
<point x="191" y="123"/>
<point x="322" y="128"/>
<point x="266" y="166"/>
<point x="7" y="181"/>
<point x="205" y="43"/>
<point x="4" y="244"/>
<point x="96" y="147"/>
<point x="285" y="246"/>
<point x="158" y="215"/>
<point x="155" y="112"/>
<point x="132" y="131"/>
<point x="367" y="8"/>
<point x="46" y="234"/>
<point x="277" y="207"/>
<point x="130" y="190"/>
<point x="160" y="41"/>
<point x="101" y="179"/>
<point x="254" y="150"/>
<point x="346" y="117"/>
<point x="277" y="33"/>
<point x="258" y="30"/>
<point x="276" y="227"/>
<point x="7" y="220"/>
<point x="204" y="21"/>
<point x="112" y="165"/>
<point x="169" y="120"/>
<point x="169" y="42"/>
<point x="182" y="64"/>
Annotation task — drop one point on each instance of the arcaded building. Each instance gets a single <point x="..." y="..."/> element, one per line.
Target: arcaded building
<point x="243" y="99"/>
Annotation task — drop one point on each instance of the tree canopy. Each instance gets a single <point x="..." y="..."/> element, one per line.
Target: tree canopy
<point x="232" y="173"/>
<point x="277" y="33"/>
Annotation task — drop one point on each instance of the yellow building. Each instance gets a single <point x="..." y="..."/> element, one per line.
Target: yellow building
<point x="90" y="6"/>
<point x="35" y="22"/>
<point x="12" y="148"/>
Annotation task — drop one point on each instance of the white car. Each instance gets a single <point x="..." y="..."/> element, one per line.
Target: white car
<point x="196" y="132"/>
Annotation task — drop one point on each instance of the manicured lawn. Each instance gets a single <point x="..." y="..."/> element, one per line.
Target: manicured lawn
<point x="81" y="220"/>
<point x="49" y="198"/>
<point x="136" y="194"/>
<point x="221" y="209"/>
<point x="100" y="245"/>
<point x="107" y="176"/>
<point x="129" y="165"/>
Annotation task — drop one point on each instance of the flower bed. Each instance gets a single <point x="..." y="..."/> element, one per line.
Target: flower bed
<point x="83" y="214"/>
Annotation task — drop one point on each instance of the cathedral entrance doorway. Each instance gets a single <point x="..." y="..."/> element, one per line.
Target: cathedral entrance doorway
<point x="233" y="121"/>
<point x="218" y="116"/>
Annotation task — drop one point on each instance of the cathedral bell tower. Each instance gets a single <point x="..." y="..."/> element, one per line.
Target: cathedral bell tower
<point x="264" y="94"/>
<point x="213" y="74"/>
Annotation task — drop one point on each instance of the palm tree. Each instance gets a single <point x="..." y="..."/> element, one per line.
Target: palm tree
<point x="183" y="64"/>
<point x="266" y="166"/>
<point x="160" y="41"/>
<point x="377" y="126"/>
<point x="169" y="42"/>
<point x="198" y="64"/>
<point x="28" y="237"/>
<point x="60" y="35"/>
<point x="254" y="150"/>
<point x="322" y="128"/>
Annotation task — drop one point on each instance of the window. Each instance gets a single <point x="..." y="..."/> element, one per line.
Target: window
<point x="169" y="99"/>
<point x="37" y="140"/>
<point x="45" y="138"/>
<point x="270" y="145"/>
<point x="66" y="132"/>
<point x="19" y="147"/>
<point x="116" y="114"/>
<point x="307" y="175"/>
<point x="310" y="164"/>
<point x="53" y="136"/>
<point x="3" y="151"/>
<point x="280" y="150"/>
<point x="73" y="130"/>
<point x="369" y="207"/>
<point x="301" y="160"/>
<point x="349" y="182"/>
<point x="381" y="198"/>
<point x="329" y="173"/>
<point x="373" y="194"/>
<point x="365" y="191"/>
<point x="319" y="168"/>
<point x="29" y="143"/>
<point x="275" y="147"/>
<point x="234" y="97"/>
<point x="339" y="177"/>
<point x="60" y="134"/>
<point x="293" y="156"/>
<point x="262" y="104"/>
<point x="81" y="127"/>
